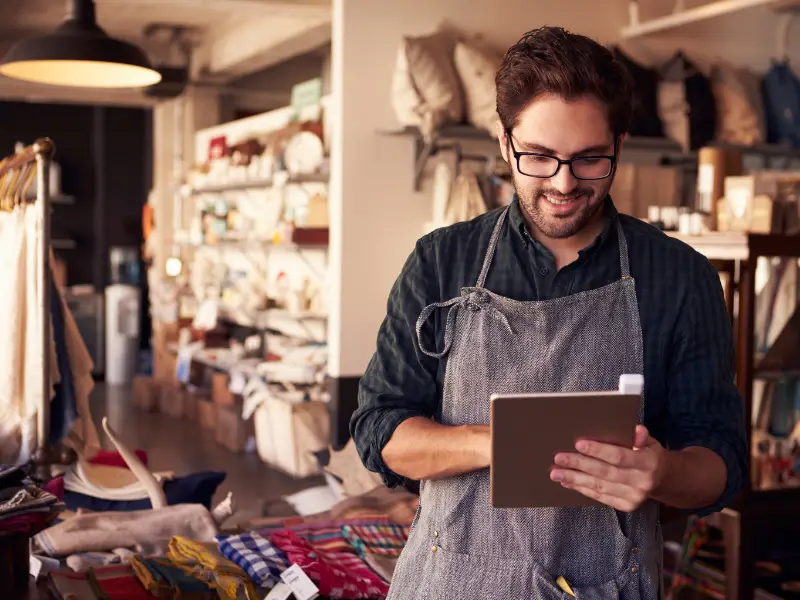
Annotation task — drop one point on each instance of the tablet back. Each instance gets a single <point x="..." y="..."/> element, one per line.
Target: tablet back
<point x="528" y="430"/>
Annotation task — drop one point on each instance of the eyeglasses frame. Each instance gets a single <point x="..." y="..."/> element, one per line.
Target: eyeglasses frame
<point x="569" y="161"/>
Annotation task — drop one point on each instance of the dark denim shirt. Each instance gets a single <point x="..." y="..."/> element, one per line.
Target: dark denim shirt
<point x="690" y="395"/>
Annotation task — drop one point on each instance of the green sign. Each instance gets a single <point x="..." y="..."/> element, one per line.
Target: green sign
<point x="306" y="94"/>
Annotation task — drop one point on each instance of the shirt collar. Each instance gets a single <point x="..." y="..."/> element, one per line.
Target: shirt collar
<point x="610" y="218"/>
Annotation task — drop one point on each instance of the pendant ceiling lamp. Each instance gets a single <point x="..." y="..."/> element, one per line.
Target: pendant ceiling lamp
<point x="79" y="54"/>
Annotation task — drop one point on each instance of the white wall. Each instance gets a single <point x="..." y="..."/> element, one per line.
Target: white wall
<point x="379" y="217"/>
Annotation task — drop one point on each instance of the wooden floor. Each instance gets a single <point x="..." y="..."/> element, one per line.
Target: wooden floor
<point x="184" y="447"/>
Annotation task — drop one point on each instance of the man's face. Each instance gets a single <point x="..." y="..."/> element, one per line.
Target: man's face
<point x="560" y="206"/>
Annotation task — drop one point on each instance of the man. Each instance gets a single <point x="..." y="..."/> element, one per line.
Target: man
<point x="557" y="293"/>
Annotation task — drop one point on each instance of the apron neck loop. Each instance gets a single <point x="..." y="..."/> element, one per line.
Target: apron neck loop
<point x="624" y="263"/>
<point x="487" y="260"/>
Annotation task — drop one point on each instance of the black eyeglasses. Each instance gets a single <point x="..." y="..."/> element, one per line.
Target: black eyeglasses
<point x="545" y="166"/>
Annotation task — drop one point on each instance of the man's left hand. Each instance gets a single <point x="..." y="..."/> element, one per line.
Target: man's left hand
<point x="621" y="478"/>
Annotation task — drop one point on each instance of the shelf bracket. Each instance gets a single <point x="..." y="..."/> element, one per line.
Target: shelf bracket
<point x="423" y="151"/>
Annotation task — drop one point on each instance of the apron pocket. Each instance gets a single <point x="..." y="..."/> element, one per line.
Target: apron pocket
<point x="622" y="588"/>
<point x="469" y="577"/>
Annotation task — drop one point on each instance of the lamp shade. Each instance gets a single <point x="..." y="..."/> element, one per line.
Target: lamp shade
<point x="79" y="54"/>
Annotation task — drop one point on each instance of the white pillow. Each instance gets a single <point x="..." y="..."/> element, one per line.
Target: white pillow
<point x="477" y="69"/>
<point x="425" y="89"/>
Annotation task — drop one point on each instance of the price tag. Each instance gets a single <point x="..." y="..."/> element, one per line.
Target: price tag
<point x="279" y="592"/>
<point x="301" y="585"/>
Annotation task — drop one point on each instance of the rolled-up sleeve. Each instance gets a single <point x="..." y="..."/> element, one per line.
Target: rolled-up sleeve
<point x="400" y="380"/>
<point x="705" y="407"/>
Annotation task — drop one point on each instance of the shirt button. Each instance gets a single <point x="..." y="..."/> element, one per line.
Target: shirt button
<point x="634" y="570"/>
<point x="544" y="271"/>
<point x="435" y="534"/>
<point x="434" y="549"/>
<point x="634" y="550"/>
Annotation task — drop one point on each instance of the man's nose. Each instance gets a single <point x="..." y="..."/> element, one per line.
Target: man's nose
<point x="564" y="181"/>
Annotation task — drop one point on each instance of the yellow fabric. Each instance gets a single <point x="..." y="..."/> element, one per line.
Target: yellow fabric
<point x="204" y="561"/>
<point x="144" y="575"/>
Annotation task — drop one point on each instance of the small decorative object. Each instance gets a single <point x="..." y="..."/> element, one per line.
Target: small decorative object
<point x="304" y="153"/>
<point x="217" y="148"/>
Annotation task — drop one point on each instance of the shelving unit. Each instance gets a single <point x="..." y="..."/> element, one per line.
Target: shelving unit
<point x="638" y="150"/>
<point x="258" y="184"/>
<point x="757" y="514"/>
<point x="687" y="16"/>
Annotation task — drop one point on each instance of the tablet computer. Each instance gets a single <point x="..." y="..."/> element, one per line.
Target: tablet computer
<point x="528" y="430"/>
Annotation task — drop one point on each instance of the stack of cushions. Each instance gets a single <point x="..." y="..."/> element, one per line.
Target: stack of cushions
<point x="439" y="80"/>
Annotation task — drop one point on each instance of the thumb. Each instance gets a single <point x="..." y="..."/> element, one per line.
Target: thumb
<point x="641" y="438"/>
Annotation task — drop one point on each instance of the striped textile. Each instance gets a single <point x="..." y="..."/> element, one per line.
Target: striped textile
<point x="385" y="539"/>
<point x="256" y="555"/>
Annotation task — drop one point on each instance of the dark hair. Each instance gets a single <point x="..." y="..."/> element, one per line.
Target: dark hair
<point x="551" y="60"/>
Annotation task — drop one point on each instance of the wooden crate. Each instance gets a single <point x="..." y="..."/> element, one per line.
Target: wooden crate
<point x="220" y="393"/>
<point x="207" y="414"/>
<point x="232" y="431"/>
<point x="171" y="399"/>
<point x="146" y="392"/>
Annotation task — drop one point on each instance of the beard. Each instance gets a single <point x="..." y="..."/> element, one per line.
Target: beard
<point x="534" y="204"/>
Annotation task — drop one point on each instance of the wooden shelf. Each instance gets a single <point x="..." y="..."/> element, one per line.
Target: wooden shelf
<point x="258" y="184"/>
<point x="710" y="10"/>
<point x="716" y="245"/>
<point x="659" y="150"/>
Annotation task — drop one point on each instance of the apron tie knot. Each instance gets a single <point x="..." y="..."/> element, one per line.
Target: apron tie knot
<point x="473" y="300"/>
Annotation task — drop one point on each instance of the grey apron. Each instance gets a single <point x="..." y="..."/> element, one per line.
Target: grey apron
<point x="460" y="546"/>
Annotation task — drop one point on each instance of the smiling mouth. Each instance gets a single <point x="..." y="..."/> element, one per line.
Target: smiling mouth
<point x="562" y="201"/>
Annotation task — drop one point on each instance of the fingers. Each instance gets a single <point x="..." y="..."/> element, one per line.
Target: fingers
<point x="618" y="456"/>
<point x="596" y="467"/>
<point x="624" y="504"/>
<point x="642" y="437"/>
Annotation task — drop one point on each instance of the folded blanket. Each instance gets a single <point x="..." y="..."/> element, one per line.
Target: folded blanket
<point x="204" y="561"/>
<point x="163" y="579"/>
<point x="337" y="574"/>
<point x="262" y="562"/>
<point x="102" y="532"/>
<point x="385" y="539"/>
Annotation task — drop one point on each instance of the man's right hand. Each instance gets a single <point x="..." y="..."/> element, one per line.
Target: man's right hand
<point x="421" y="449"/>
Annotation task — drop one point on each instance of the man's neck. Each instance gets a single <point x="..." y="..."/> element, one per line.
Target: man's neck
<point x="565" y="250"/>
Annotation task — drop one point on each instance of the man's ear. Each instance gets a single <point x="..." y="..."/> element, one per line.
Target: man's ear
<point x="502" y="140"/>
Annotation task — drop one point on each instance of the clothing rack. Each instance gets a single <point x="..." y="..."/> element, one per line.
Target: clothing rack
<point x="17" y="173"/>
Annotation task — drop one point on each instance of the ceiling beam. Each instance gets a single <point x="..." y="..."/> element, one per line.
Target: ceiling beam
<point x="259" y="44"/>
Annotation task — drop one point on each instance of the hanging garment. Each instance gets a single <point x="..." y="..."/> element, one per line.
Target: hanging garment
<point x="462" y="547"/>
<point x="466" y="199"/>
<point x="782" y="105"/>
<point x="645" y="121"/>
<point x="686" y="104"/>
<point x="82" y="437"/>
<point x="64" y="406"/>
<point x="21" y="365"/>
<point x="740" y="111"/>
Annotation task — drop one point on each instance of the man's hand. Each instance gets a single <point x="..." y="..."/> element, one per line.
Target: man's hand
<point x="619" y="477"/>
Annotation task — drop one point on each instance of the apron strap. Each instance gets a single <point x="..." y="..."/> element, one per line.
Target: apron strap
<point x="448" y="329"/>
<point x="624" y="263"/>
<point x="487" y="260"/>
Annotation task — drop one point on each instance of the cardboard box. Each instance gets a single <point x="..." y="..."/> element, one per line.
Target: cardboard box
<point x="232" y="431"/>
<point x="220" y="391"/>
<point x="207" y="413"/>
<point x="146" y="392"/>
<point x="171" y="399"/>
